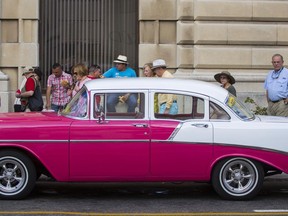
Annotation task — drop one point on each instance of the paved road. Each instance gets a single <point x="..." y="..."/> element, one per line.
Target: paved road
<point x="51" y="198"/>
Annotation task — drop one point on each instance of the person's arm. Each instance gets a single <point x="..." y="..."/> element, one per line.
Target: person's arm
<point x="169" y="102"/>
<point x="108" y="73"/>
<point x="267" y="98"/>
<point x="27" y="94"/>
<point x="30" y="88"/>
<point x="48" y="95"/>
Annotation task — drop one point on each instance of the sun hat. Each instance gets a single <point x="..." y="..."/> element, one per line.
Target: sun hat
<point x="121" y="59"/>
<point x="27" y="69"/>
<point x="224" y="73"/>
<point x="159" y="63"/>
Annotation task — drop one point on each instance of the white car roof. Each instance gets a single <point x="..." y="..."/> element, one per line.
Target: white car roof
<point x="200" y="87"/>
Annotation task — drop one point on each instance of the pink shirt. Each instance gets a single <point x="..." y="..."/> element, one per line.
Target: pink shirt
<point x="58" y="92"/>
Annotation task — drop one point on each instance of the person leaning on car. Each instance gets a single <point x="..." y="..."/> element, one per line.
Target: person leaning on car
<point x="276" y="85"/>
<point x="168" y="102"/>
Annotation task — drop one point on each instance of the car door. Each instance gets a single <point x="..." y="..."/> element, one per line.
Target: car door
<point x="113" y="146"/>
<point x="182" y="144"/>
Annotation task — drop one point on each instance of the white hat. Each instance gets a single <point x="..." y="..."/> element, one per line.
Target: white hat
<point x="159" y="63"/>
<point x="28" y="69"/>
<point x="121" y="59"/>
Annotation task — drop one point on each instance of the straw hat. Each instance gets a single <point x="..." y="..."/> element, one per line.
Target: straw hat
<point x="159" y="63"/>
<point x="121" y="59"/>
<point x="27" y="69"/>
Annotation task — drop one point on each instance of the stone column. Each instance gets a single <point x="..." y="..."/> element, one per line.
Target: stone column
<point x="4" y="96"/>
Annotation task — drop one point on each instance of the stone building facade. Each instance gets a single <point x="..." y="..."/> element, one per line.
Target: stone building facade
<point x="197" y="38"/>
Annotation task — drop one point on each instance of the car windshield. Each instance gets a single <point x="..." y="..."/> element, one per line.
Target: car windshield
<point x="77" y="107"/>
<point x="238" y="108"/>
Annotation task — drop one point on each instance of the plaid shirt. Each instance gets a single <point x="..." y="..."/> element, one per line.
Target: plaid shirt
<point x="58" y="92"/>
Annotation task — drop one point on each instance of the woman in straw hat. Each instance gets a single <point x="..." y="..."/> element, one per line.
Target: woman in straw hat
<point x="227" y="81"/>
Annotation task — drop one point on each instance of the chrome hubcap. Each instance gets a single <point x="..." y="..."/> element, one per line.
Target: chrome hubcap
<point x="238" y="177"/>
<point x="12" y="176"/>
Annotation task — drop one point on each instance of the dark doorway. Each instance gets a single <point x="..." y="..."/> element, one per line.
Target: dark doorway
<point x="87" y="31"/>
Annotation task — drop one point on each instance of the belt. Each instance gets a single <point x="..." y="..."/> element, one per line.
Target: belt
<point x="277" y="100"/>
<point x="174" y="101"/>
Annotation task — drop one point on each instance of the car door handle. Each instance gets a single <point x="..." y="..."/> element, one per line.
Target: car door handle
<point x="140" y="125"/>
<point x="200" y="125"/>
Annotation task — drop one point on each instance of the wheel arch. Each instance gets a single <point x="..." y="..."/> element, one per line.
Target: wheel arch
<point x="237" y="178"/>
<point x="39" y="166"/>
<point x="267" y="166"/>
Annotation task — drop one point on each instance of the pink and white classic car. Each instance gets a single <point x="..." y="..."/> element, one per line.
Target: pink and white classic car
<point x="213" y="138"/>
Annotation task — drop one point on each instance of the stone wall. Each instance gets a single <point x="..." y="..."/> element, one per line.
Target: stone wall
<point x="18" y="42"/>
<point x="199" y="38"/>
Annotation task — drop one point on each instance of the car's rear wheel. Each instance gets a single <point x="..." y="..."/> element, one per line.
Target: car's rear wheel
<point x="17" y="175"/>
<point x="237" y="178"/>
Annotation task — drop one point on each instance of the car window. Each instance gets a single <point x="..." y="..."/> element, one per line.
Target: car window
<point x="119" y="105"/>
<point x="77" y="107"/>
<point x="188" y="107"/>
<point x="238" y="108"/>
<point x="216" y="112"/>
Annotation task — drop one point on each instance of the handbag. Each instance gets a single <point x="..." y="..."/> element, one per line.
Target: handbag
<point x="18" y="106"/>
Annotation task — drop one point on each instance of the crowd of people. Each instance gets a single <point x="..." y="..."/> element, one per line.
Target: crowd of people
<point x="61" y="86"/>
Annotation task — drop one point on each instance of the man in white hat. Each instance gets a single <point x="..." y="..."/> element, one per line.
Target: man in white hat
<point x="121" y="70"/>
<point x="168" y="102"/>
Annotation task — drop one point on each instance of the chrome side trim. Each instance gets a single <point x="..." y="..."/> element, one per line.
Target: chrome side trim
<point x="176" y="130"/>
<point x="181" y="142"/>
<point x="33" y="141"/>
<point x="252" y="148"/>
<point x="72" y="141"/>
<point x="110" y="141"/>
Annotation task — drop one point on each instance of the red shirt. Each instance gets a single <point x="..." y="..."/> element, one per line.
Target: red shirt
<point x="30" y="84"/>
<point x="91" y="77"/>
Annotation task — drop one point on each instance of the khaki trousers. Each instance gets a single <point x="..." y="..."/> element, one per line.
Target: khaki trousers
<point x="278" y="109"/>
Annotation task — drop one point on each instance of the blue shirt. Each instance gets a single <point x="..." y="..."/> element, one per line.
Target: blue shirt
<point x="276" y="84"/>
<point x="114" y="73"/>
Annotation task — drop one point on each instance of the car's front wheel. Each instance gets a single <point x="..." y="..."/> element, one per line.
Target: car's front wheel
<point x="237" y="178"/>
<point x="17" y="175"/>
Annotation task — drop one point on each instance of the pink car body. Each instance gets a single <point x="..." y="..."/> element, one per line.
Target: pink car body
<point x="93" y="147"/>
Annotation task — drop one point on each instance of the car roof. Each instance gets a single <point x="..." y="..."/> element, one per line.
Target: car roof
<point x="197" y="86"/>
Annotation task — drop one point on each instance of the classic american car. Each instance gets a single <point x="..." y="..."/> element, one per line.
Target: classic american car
<point x="213" y="138"/>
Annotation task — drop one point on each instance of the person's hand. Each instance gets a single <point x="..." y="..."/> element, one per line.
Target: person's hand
<point x="121" y="99"/>
<point x="125" y="97"/>
<point x="48" y="106"/>
<point x="166" y="111"/>
<point x="65" y="84"/>
<point x="18" y="94"/>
